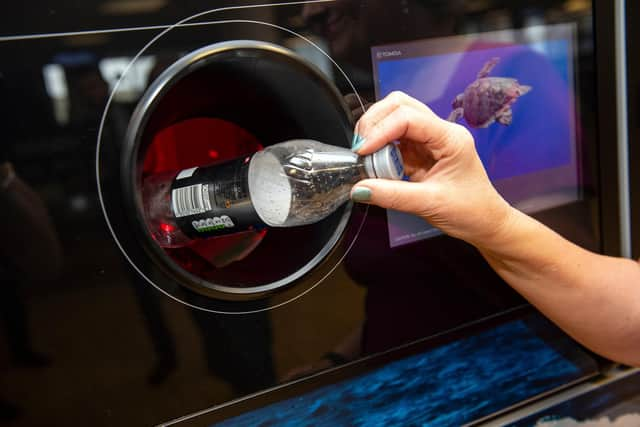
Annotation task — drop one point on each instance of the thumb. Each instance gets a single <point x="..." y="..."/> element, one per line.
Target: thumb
<point x="410" y="197"/>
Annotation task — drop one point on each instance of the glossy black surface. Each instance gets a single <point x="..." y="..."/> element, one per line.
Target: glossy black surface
<point x="45" y="17"/>
<point x="89" y="342"/>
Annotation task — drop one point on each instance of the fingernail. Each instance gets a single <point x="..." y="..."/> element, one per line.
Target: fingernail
<point x="361" y="195"/>
<point x="357" y="142"/>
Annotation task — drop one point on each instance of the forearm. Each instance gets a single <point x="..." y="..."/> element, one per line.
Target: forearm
<point x="594" y="298"/>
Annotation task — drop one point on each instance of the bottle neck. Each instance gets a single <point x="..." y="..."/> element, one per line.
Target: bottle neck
<point x="365" y="164"/>
<point x="385" y="163"/>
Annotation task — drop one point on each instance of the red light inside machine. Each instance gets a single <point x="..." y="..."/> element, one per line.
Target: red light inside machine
<point x="213" y="154"/>
<point x="167" y="228"/>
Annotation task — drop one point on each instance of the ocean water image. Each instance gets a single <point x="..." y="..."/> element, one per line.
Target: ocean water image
<point x="446" y="386"/>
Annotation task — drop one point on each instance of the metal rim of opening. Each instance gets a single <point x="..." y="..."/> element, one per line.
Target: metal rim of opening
<point x="173" y="74"/>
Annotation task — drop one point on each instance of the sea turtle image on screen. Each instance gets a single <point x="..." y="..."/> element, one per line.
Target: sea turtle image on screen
<point x="488" y="99"/>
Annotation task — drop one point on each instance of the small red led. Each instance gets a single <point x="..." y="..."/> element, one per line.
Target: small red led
<point x="167" y="228"/>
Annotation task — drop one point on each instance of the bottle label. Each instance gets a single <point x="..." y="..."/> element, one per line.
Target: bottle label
<point x="191" y="200"/>
<point x="213" y="224"/>
<point x="214" y="200"/>
<point x="397" y="161"/>
<point x="186" y="173"/>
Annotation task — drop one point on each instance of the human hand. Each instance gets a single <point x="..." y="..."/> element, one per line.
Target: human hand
<point x="448" y="186"/>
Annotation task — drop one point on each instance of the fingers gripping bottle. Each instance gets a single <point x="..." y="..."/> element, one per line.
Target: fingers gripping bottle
<point x="289" y="184"/>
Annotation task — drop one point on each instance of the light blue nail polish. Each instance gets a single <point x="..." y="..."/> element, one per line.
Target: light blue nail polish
<point x="361" y="195"/>
<point x="357" y="142"/>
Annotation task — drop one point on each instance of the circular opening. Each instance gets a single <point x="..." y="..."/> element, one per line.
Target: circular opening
<point x="223" y="102"/>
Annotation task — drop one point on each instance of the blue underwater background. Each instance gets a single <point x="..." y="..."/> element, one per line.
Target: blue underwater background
<point x="542" y="134"/>
<point x="541" y="137"/>
<point x="447" y="386"/>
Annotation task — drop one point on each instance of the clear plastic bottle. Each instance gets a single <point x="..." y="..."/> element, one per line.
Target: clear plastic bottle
<point x="289" y="184"/>
<point x="303" y="181"/>
<point x="158" y="213"/>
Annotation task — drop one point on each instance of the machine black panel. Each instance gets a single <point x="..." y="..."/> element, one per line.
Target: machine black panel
<point x="90" y="341"/>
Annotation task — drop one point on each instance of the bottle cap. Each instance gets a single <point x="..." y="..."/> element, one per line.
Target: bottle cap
<point x="385" y="163"/>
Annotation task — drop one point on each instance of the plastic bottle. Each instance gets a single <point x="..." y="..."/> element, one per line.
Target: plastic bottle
<point x="292" y="183"/>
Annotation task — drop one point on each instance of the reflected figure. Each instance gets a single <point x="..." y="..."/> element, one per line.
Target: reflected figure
<point x="30" y="249"/>
<point x="30" y="253"/>
<point x="162" y="340"/>
<point x="351" y="27"/>
<point x="88" y="92"/>
<point x="237" y="349"/>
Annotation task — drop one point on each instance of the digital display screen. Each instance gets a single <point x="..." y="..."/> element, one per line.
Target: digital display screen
<point x="515" y="92"/>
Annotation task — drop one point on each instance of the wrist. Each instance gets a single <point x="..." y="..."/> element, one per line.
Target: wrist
<point x="516" y="245"/>
<point x="499" y="226"/>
